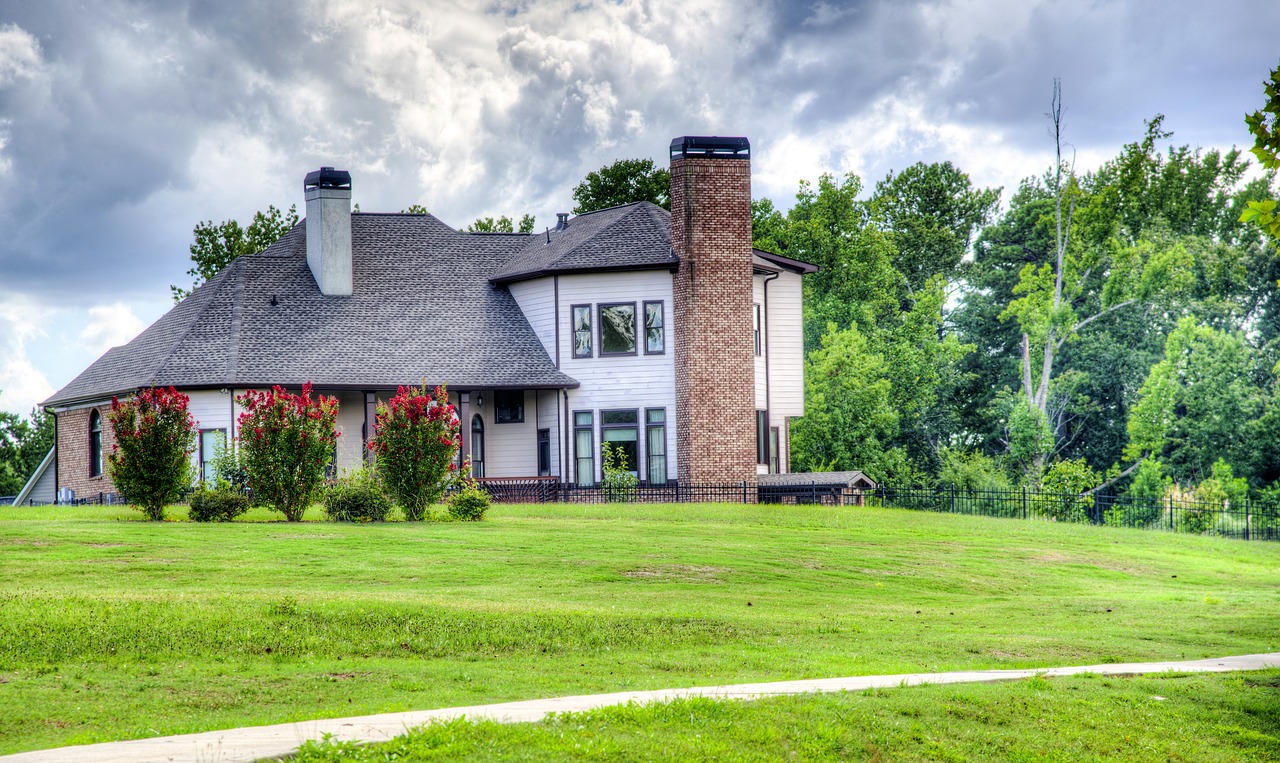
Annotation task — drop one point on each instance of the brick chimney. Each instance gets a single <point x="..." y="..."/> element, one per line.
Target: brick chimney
<point x="328" y="194"/>
<point x="714" y="349"/>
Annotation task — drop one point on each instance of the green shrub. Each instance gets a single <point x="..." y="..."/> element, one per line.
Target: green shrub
<point x="620" y="485"/>
<point x="469" y="504"/>
<point x="286" y="441"/>
<point x="416" y="437"/>
<point x="358" y="496"/>
<point x="1069" y="480"/>
<point x="220" y="504"/>
<point x="150" y="463"/>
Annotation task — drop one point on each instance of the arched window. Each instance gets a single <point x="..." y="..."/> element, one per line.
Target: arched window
<point x="95" y="444"/>
<point x="477" y="446"/>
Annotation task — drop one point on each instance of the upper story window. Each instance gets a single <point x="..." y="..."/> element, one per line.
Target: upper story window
<point x="758" y="337"/>
<point x="508" y="406"/>
<point x="618" y="329"/>
<point x="95" y="443"/>
<point x="581" y="331"/>
<point x="655" y="337"/>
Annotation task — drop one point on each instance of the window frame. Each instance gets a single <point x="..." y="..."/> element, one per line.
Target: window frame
<point x="207" y="458"/>
<point x="589" y="428"/>
<point x="662" y="313"/>
<point x="477" y="418"/>
<point x="573" y="331"/>
<point x="497" y="405"/>
<point x="758" y="331"/>
<point x="635" y="329"/>
<point x="637" y="426"/>
<point x="95" y="443"/>
<point x="649" y="427"/>
<point x="544" y="446"/>
<point x="762" y="437"/>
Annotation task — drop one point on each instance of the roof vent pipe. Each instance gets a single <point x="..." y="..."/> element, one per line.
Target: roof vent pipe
<point x="562" y="220"/>
<point x="328" y="195"/>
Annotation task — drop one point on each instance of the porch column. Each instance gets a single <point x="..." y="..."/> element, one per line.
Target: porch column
<point x="370" y="416"/>
<point x="464" y="414"/>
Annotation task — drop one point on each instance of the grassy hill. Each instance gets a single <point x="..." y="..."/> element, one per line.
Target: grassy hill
<point x="112" y="628"/>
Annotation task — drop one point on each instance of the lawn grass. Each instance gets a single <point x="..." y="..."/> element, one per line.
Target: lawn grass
<point x="1162" y="718"/>
<point x="112" y="628"/>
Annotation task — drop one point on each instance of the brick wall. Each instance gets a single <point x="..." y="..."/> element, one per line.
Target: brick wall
<point x="73" y="452"/>
<point x="714" y="350"/>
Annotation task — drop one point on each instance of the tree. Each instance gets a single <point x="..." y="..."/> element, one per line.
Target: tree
<point x="286" y="441"/>
<point x="1199" y="404"/>
<point x="23" y="445"/>
<point x="1264" y="124"/>
<point x="150" y="462"/>
<point x="623" y="182"/>
<point x="416" y="438"/>
<point x="931" y="212"/>
<point x="217" y="244"/>
<point x="503" y="224"/>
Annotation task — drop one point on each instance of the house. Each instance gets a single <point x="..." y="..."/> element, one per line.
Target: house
<point x="662" y="333"/>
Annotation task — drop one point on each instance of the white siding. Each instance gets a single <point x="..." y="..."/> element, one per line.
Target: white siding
<point x="786" y="347"/>
<point x="350" y="427"/>
<point x="510" y="450"/>
<point x="550" y="413"/>
<point x="536" y="299"/>
<point x="43" y="491"/>
<point x="619" y="382"/>
<point x="210" y="408"/>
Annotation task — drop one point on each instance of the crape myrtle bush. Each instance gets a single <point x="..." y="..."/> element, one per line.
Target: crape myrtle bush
<point x="286" y="440"/>
<point x="416" y="439"/>
<point x="150" y="462"/>
<point x="219" y="504"/>
<point x="356" y="497"/>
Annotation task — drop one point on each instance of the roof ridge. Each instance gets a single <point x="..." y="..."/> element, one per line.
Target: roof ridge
<point x="615" y="206"/>
<point x="601" y="231"/>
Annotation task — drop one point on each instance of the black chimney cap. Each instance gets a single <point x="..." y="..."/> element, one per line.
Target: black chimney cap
<point x="711" y="145"/>
<point x="327" y="177"/>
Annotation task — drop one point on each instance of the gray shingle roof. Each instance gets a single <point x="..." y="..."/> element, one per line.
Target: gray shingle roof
<point x="627" y="237"/>
<point x="423" y="308"/>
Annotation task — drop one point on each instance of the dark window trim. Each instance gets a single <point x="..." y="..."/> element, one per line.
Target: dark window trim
<point x="638" y="426"/>
<point x="544" y="440"/>
<point x="573" y="333"/>
<point x="758" y="331"/>
<point x="644" y="323"/>
<point x="498" y="392"/>
<point x="591" y="454"/>
<point x="635" y="321"/>
<point x="647" y="455"/>
<point x="95" y="444"/>
<point x="762" y="437"/>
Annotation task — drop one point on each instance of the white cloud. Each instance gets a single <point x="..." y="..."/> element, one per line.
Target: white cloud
<point x="110" y="326"/>
<point x="19" y="54"/>
<point x="22" y="385"/>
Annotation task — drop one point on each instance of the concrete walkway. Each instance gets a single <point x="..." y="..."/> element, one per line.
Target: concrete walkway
<point x="258" y="742"/>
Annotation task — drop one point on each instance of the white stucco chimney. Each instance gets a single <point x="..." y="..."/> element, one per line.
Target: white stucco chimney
<point x="328" y="193"/>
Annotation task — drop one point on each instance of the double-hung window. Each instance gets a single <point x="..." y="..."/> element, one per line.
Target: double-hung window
<point x="584" y="449"/>
<point x="581" y="331"/>
<point x="762" y="437"/>
<point x="544" y="452"/>
<point x="95" y="443"/>
<point x="655" y="336"/>
<point x="656" y="444"/>
<point x="621" y="430"/>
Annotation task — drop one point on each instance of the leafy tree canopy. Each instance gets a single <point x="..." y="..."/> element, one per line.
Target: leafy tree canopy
<point x="623" y="182"/>
<point x="217" y="244"/>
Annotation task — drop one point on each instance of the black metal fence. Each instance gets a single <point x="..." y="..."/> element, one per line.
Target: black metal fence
<point x="1247" y="520"/>
<point x="551" y="491"/>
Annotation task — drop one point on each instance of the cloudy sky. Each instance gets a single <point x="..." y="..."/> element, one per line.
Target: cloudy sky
<point x="122" y="124"/>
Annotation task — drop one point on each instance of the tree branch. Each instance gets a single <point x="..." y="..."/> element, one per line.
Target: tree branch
<point x="1118" y="477"/>
<point x="1093" y="318"/>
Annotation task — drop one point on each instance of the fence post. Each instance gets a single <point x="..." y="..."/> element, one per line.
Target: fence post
<point x="1246" y="519"/>
<point x="813" y="495"/>
<point x="1170" y="512"/>
<point x="953" y="498"/>
<point x="744" y="491"/>
<point x="1024" y="501"/>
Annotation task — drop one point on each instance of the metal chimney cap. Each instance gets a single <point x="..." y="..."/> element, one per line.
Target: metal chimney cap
<point x="711" y="146"/>
<point x="562" y="220"/>
<point x="327" y="177"/>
